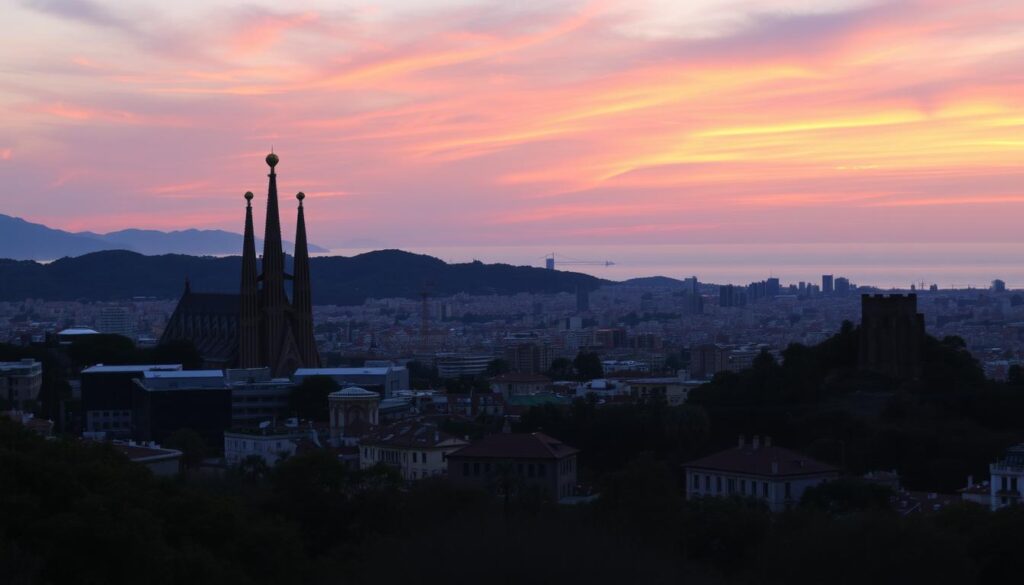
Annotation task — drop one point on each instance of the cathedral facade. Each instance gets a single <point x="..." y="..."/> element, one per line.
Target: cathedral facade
<point x="260" y="326"/>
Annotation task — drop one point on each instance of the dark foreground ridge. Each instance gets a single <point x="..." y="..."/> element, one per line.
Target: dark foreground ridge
<point x="336" y="280"/>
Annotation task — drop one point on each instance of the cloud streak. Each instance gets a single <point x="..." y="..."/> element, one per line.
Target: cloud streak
<point x="474" y="123"/>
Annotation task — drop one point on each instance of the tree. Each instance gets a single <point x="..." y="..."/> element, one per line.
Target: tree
<point x="191" y="445"/>
<point x="497" y="367"/>
<point x="588" y="366"/>
<point x="560" y="369"/>
<point x="308" y="400"/>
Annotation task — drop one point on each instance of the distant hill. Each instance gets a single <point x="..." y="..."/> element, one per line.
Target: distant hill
<point x="22" y="240"/>
<point x="653" y="282"/>
<point x="118" y="274"/>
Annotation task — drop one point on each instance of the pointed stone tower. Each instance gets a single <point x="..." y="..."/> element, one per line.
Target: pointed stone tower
<point x="249" y="299"/>
<point x="302" y="302"/>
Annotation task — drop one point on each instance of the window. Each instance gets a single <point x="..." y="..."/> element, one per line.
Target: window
<point x="718" y="483"/>
<point x="542" y="469"/>
<point x="743" y="486"/>
<point x="707" y="483"/>
<point x="414" y="457"/>
<point x="465" y="469"/>
<point x="476" y="468"/>
<point x="423" y="457"/>
<point x="764" y="489"/>
<point x="696" y="481"/>
<point x="529" y="470"/>
<point x="789" y="490"/>
<point x="732" y="485"/>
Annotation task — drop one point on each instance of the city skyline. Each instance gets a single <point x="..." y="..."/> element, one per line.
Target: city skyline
<point x="476" y="124"/>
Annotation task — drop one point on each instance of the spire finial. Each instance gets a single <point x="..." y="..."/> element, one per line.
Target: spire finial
<point x="300" y="196"/>
<point x="272" y="160"/>
<point x="248" y="198"/>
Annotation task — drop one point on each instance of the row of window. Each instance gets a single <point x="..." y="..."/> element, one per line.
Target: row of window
<point x="391" y="456"/>
<point x="733" y="485"/>
<point x="522" y="469"/>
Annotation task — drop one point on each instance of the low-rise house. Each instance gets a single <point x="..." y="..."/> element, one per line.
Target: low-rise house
<point x="508" y="462"/>
<point x="1007" y="483"/>
<point x="520" y="384"/>
<point x="777" y="476"/>
<point x="270" y="443"/>
<point x="417" y="448"/>
<point x="674" y="390"/>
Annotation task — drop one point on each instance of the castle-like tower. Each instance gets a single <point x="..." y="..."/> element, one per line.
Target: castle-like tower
<point x="259" y="327"/>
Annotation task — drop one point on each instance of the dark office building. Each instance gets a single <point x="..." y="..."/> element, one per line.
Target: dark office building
<point x="727" y="296"/>
<point x="842" y="286"/>
<point x="163" y="402"/>
<point x="827" y="284"/>
<point x="891" y="335"/>
<point x="107" y="397"/>
<point x="772" y="287"/>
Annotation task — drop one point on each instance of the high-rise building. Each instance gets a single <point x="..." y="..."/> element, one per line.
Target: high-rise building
<point x="115" y="319"/>
<point x="772" y="287"/>
<point x="582" y="299"/>
<point x="827" y="284"/>
<point x="998" y="286"/>
<point x="260" y="327"/>
<point x="842" y="286"/>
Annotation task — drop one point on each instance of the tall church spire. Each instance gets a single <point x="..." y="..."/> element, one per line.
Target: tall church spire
<point x="273" y="301"/>
<point x="249" y="304"/>
<point x="302" y="302"/>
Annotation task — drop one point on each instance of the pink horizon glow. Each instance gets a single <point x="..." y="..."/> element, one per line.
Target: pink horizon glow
<point x="473" y="123"/>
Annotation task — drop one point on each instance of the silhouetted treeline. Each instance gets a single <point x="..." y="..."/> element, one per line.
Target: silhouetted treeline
<point x="77" y="512"/>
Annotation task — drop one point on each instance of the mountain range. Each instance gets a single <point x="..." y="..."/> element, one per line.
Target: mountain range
<point x="23" y="240"/>
<point x="113" y="275"/>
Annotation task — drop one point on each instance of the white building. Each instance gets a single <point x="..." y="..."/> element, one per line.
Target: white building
<point x="268" y="443"/>
<point x="1007" y="483"/>
<point x="418" y="449"/>
<point x="20" y="383"/>
<point x="777" y="476"/>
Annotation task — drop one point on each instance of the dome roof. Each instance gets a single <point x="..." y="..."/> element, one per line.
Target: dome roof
<point x="354" y="392"/>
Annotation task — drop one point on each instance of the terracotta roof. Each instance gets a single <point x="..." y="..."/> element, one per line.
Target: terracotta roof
<point x="409" y="433"/>
<point x="517" y="446"/>
<point x="767" y="461"/>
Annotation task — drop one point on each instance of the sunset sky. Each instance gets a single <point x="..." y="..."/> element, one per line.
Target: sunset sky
<point x="462" y="123"/>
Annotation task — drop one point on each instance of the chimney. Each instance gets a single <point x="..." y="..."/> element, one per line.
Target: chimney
<point x="767" y="441"/>
<point x="757" y="441"/>
<point x="742" y="442"/>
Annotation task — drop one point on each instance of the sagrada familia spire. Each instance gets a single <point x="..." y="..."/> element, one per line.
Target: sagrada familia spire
<point x="259" y="327"/>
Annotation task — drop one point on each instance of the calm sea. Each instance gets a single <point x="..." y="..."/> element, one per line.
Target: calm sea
<point x="884" y="265"/>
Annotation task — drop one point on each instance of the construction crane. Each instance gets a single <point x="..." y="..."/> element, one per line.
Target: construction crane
<point x="549" y="262"/>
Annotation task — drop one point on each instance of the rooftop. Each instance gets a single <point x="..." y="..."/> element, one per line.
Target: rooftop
<point x="517" y="446"/>
<point x="762" y="460"/>
<point x="411" y="433"/>
<point x="377" y="371"/>
<point x="104" y="369"/>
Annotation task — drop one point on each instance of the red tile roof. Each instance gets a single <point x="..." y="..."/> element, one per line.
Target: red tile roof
<point x="767" y="461"/>
<point x="517" y="446"/>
